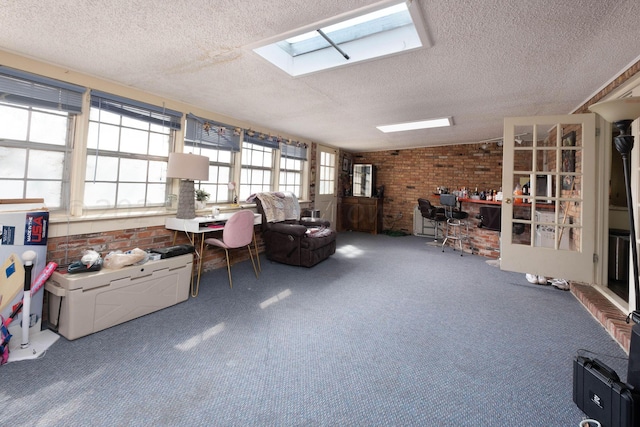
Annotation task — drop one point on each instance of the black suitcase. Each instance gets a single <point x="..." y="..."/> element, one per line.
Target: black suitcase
<point x="599" y="393"/>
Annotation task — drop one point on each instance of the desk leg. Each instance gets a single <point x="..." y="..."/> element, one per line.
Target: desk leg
<point x="195" y="282"/>
<point x="255" y="244"/>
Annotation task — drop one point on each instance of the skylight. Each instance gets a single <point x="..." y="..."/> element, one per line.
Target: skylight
<point x="364" y="35"/>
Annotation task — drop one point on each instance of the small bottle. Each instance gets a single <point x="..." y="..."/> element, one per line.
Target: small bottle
<point x="517" y="192"/>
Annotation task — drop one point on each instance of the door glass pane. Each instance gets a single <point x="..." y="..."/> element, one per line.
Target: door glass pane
<point x="547" y="191"/>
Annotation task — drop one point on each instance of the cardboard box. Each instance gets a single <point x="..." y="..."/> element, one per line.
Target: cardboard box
<point x="24" y="225"/>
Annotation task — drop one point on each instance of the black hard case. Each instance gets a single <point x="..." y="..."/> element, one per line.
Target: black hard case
<point x="172" y="251"/>
<point x="599" y="393"/>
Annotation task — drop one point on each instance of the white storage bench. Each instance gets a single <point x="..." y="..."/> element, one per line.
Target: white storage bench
<point x="83" y="303"/>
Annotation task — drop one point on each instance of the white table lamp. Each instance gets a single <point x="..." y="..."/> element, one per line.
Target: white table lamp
<point x="187" y="167"/>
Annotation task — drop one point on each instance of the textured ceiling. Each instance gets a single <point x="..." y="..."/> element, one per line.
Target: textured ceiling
<point x="489" y="59"/>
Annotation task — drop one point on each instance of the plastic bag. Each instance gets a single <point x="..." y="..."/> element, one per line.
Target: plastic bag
<point x="118" y="259"/>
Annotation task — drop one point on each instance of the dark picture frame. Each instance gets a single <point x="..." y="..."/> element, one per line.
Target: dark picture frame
<point x="568" y="160"/>
<point x="346" y="164"/>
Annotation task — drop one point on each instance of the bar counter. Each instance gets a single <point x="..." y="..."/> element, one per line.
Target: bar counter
<point x="487" y="242"/>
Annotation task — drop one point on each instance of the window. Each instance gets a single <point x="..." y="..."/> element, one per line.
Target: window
<point x="219" y="143"/>
<point x="37" y="116"/>
<point x="292" y="162"/>
<point x="327" y="173"/>
<point x="365" y="34"/>
<point x="127" y="153"/>
<point x="256" y="171"/>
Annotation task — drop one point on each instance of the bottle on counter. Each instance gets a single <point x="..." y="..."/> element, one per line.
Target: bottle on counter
<point x="517" y="192"/>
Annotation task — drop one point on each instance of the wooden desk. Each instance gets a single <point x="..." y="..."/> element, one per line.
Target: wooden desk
<point x="199" y="226"/>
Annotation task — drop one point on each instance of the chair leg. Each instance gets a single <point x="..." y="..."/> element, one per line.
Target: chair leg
<point x="446" y="234"/>
<point x="228" y="267"/>
<point x="255" y="242"/>
<point x="252" y="262"/>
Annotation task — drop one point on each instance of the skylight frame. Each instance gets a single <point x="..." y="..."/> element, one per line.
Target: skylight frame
<point x="394" y="41"/>
<point x="349" y="30"/>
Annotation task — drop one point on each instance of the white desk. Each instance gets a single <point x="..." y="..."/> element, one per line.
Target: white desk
<point x="198" y="226"/>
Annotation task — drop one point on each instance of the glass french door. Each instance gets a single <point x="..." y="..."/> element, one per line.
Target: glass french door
<point x="549" y="193"/>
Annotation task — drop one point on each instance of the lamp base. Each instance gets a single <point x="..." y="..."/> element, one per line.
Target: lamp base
<point x="186" y="200"/>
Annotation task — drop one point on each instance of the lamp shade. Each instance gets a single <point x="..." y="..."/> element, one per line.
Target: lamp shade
<point x="188" y="166"/>
<point x="618" y="109"/>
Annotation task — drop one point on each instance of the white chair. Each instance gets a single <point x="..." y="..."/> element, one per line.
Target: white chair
<point x="237" y="232"/>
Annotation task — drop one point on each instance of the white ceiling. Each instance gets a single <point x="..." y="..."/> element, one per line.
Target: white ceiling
<point x="489" y="59"/>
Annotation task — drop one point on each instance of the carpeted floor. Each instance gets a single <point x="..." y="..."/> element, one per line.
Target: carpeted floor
<point x="387" y="332"/>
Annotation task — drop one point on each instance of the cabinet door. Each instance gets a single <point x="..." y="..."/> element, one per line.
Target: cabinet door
<point x="367" y="218"/>
<point x="349" y="214"/>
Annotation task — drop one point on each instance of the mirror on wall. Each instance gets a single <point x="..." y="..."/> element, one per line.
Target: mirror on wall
<point x="363" y="180"/>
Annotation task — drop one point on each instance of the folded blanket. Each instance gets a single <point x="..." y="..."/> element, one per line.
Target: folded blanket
<point x="279" y="206"/>
<point x="318" y="232"/>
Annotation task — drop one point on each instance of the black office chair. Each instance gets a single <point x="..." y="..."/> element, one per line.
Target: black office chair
<point x="434" y="214"/>
<point x="457" y="228"/>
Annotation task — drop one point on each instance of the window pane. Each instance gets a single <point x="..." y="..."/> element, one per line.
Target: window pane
<point x="100" y="195"/>
<point x="158" y="172"/>
<point x="50" y="191"/>
<point x="13" y="161"/>
<point x="48" y="128"/>
<point x="130" y="122"/>
<point x="131" y="195"/>
<point x="134" y="141"/>
<point x="45" y="164"/>
<point x="107" y="169"/>
<point x="103" y="116"/>
<point x="14" y="122"/>
<point x="159" y="144"/>
<point x="11" y="189"/>
<point x="224" y="156"/>
<point x="156" y="194"/>
<point x="133" y="170"/>
<point x="103" y="137"/>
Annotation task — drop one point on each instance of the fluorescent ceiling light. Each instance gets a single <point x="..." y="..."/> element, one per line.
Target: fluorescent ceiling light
<point x="385" y="29"/>
<point x="423" y="124"/>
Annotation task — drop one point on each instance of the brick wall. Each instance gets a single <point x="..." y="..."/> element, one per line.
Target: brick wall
<point x="410" y="174"/>
<point x="65" y="250"/>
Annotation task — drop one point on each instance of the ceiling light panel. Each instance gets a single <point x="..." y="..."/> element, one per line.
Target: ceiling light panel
<point x="423" y="124"/>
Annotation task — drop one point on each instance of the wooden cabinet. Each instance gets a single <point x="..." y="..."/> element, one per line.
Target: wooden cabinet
<point x="361" y="214"/>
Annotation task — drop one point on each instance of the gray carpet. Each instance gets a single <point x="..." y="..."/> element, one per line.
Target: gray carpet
<point x="388" y="332"/>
